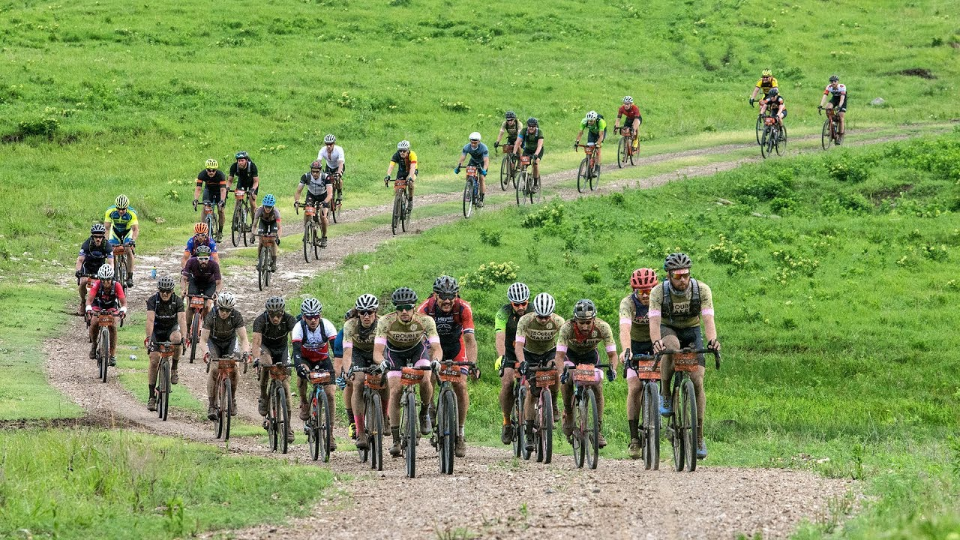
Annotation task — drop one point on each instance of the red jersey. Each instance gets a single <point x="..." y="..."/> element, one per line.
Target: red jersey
<point x="630" y="112"/>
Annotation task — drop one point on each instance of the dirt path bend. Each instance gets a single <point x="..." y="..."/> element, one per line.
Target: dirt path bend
<point x="491" y="494"/>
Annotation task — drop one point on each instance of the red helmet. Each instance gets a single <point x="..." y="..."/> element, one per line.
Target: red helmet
<point x="644" y="278"/>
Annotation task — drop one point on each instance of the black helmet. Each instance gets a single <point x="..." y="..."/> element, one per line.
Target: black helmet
<point x="834" y="78"/>
<point x="242" y="155"/>
<point x="404" y="295"/>
<point x="677" y="261"/>
<point x="446" y="285"/>
<point x="584" y="309"/>
<point x="533" y="122"/>
<point x="510" y="115"/>
<point x="773" y="92"/>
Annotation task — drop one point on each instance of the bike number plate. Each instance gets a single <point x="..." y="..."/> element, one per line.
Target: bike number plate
<point x="451" y="374"/>
<point x="105" y="320"/>
<point x="410" y="376"/>
<point x="239" y="193"/>
<point x="685" y="362"/>
<point x="374" y="381"/>
<point x="644" y="369"/>
<point x="317" y="377"/>
<point x="196" y="303"/>
<point x="525" y="160"/>
<point x="310" y="211"/>
<point x="586" y="375"/>
<point x="471" y="171"/>
<point x="400" y="183"/>
<point x="546" y="378"/>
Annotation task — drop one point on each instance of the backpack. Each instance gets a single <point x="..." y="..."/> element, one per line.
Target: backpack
<point x="667" y="305"/>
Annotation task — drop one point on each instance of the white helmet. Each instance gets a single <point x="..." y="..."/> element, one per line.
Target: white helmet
<point x="475" y="136"/>
<point x="226" y="300"/>
<point x="122" y="202"/>
<point x="311" y="307"/>
<point x="592" y="115"/>
<point x="544" y="304"/>
<point x="627" y="100"/>
<point x="403" y="145"/>
<point x="329" y="139"/>
<point x="367" y="302"/>
<point x="518" y="292"/>
<point x="105" y="272"/>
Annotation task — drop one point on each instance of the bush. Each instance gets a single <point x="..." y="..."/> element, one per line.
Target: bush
<point x="846" y="170"/>
<point x="551" y="213"/>
<point x="767" y="188"/>
<point x="42" y="127"/>
<point x="488" y="275"/>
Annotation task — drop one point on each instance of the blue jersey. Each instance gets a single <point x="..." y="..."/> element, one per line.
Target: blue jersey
<point x="338" y="345"/>
<point x="476" y="154"/>
<point x="192" y="245"/>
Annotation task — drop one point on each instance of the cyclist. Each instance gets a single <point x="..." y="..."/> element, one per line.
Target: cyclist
<point x="405" y="160"/>
<point x="578" y="342"/>
<point x="319" y="193"/>
<point x="201" y="276"/>
<point x="331" y="155"/>
<point x="635" y="338"/>
<point x="399" y="342"/>
<point x="271" y="341"/>
<point x="479" y="158"/>
<point x="633" y="119"/>
<point x="536" y="345"/>
<point x="596" y="128"/>
<point x="505" y="330"/>
<point x="678" y="305"/>
<point x="454" y="320"/>
<point x="248" y="178"/>
<point x="221" y="330"/>
<point x="214" y="184"/>
<point x="201" y="237"/>
<point x="510" y="126"/>
<point x="122" y="226"/>
<point x="312" y="343"/>
<point x="105" y="294"/>
<point x="267" y="220"/>
<point x="531" y="140"/>
<point x="765" y="84"/>
<point x="94" y="253"/>
<point x="165" y="317"/>
<point x="778" y="108"/>
<point x="358" y="342"/>
<point x="838" y="101"/>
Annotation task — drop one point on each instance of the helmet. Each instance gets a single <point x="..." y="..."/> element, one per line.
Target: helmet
<point x="676" y="261"/>
<point x="532" y="122"/>
<point x="165" y="283"/>
<point x="644" y="278"/>
<point x="766" y="73"/>
<point x="627" y="100"/>
<point x="202" y="251"/>
<point x="105" y="272"/>
<point x="242" y="155"/>
<point x="275" y="303"/>
<point x="404" y="295"/>
<point x="211" y="164"/>
<point x="122" y="202"/>
<point x="311" y="307"/>
<point x="403" y="145"/>
<point x="315" y="165"/>
<point x="544" y="304"/>
<point x="446" y="285"/>
<point x="269" y="200"/>
<point x="475" y="136"/>
<point x="367" y="302"/>
<point x="201" y="228"/>
<point x="518" y="292"/>
<point x="592" y="115"/>
<point x="510" y="115"/>
<point x="774" y="92"/>
<point x="226" y="300"/>
<point x="834" y="78"/>
<point x="329" y="139"/>
<point x="98" y="228"/>
<point x="584" y="309"/>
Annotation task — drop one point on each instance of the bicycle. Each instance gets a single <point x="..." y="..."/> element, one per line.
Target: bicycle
<point x="223" y="400"/>
<point x="527" y="186"/>
<point x="508" y="168"/>
<point x="277" y="420"/>
<point x="774" y="138"/>
<point x="210" y="218"/>
<point x="242" y="221"/>
<point x="516" y="415"/>
<point x="401" y="206"/>
<point x="585" y="437"/>
<point x="265" y="260"/>
<point x="319" y="427"/>
<point x="195" y="308"/>
<point x="625" y="150"/>
<point x="649" y="377"/>
<point x="410" y="378"/>
<point x="543" y="377"/>
<point x="682" y="426"/>
<point x="471" y="191"/>
<point x="105" y="319"/>
<point x="830" y="135"/>
<point x="336" y="181"/>
<point x="448" y="418"/>
<point x="120" y="269"/>
<point x="311" y="238"/>
<point x="163" y="387"/>
<point x="589" y="171"/>
<point x="759" y="128"/>
<point x="373" y="384"/>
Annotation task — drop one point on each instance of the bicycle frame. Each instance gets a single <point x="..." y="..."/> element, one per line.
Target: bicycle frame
<point x="544" y="378"/>
<point x="320" y="429"/>
<point x="163" y="387"/>
<point x="448" y="420"/>
<point x="585" y="438"/>
<point x="410" y="379"/>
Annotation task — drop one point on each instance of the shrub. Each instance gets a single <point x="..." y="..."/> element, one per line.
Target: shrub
<point x="551" y="213"/>
<point x="41" y="127"/>
<point x="725" y="252"/>
<point x="488" y="275"/>
<point x="846" y="170"/>
<point x="767" y="188"/>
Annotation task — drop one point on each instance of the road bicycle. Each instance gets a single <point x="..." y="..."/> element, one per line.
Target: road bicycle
<point x="105" y="319"/>
<point x="224" y="397"/>
<point x="210" y="217"/>
<point x="311" y="226"/>
<point x="471" y="191"/>
<point x="682" y="423"/>
<point x="319" y="427"/>
<point x="588" y="174"/>
<point x="543" y="378"/>
<point x="649" y="377"/>
<point x="401" y="206"/>
<point x="527" y="186"/>
<point x="195" y="308"/>
<point x="242" y="220"/>
<point x="410" y="379"/>
<point x="448" y="419"/>
<point x="265" y="259"/>
<point x="508" y="168"/>
<point x="585" y="437"/>
<point x="121" y="270"/>
<point x="163" y="387"/>
<point x="625" y="148"/>
<point x="374" y="383"/>
<point x="277" y="420"/>
<point x="830" y="135"/>
<point x="774" y="138"/>
<point x="336" y="181"/>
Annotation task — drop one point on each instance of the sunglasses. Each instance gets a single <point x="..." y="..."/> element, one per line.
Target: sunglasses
<point x="676" y="275"/>
<point x="405" y="307"/>
<point x="644" y="291"/>
<point x="370" y="312"/>
<point x="446" y="296"/>
<point x="165" y="291"/>
<point x="225" y="310"/>
<point x="404" y="152"/>
<point x="275" y="313"/>
<point x="315" y="170"/>
<point x="203" y="259"/>
<point x="543" y="317"/>
<point x="329" y="144"/>
<point x="211" y="170"/>
<point x="519" y="304"/>
<point x="311" y="317"/>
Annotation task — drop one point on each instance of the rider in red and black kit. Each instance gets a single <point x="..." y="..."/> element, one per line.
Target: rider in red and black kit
<point x="105" y="294"/>
<point x="313" y="350"/>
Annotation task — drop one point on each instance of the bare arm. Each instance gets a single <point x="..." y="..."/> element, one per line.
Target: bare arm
<point x="150" y="318"/>
<point x="501" y="343"/>
<point x="257" y="341"/>
<point x="655" y="328"/>
<point x="470" y="343"/>
<point x="242" y="334"/>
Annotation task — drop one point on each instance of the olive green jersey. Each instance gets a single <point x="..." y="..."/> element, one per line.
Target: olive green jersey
<point x="398" y="335"/>
<point x="572" y="339"/>
<point x="357" y="337"/>
<point x="632" y="311"/>
<point x="681" y="309"/>
<point x="536" y="336"/>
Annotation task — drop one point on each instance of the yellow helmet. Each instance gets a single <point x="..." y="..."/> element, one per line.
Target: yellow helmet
<point x="766" y="73"/>
<point x="212" y="164"/>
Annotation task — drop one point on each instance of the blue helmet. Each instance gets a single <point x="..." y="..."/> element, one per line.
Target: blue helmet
<point x="269" y="200"/>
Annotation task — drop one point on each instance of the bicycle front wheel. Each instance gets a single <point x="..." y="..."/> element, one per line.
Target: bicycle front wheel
<point x="467" y="199"/>
<point x="766" y="142"/>
<point x="676" y="435"/>
<point x="375" y="430"/>
<point x="826" y="138"/>
<point x="236" y="226"/>
<point x="546" y="426"/>
<point x="410" y="433"/>
<point x="273" y="433"/>
<point x="316" y="242"/>
<point x="326" y="425"/>
<point x="163" y="390"/>
<point x="224" y="410"/>
<point x="307" y="240"/>
<point x="397" y="211"/>
<point x="591" y="426"/>
<point x="194" y="335"/>
<point x="103" y="352"/>
<point x="651" y="426"/>
<point x="688" y="421"/>
<point x="405" y="217"/>
<point x="263" y="265"/>
<point x="595" y="177"/>
<point x="782" y="141"/>
<point x="516" y="422"/>
<point x="521" y="185"/>
<point x="623" y="152"/>
<point x="759" y="129"/>
<point x="244" y="222"/>
<point x="582" y="173"/>
<point x="447" y="436"/>
<point x="313" y="430"/>
<point x="505" y="172"/>
<point x="283" y="418"/>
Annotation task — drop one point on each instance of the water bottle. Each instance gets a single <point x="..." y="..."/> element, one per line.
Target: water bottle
<point x="153" y="273"/>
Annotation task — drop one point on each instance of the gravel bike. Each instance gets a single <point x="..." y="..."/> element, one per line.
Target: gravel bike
<point x="265" y="260"/>
<point x="585" y="437"/>
<point x="319" y="427"/>
<point x="774" y="138"/>
<point x="163" y="386"/>
<point x="121" y="271"/>
<point x="211" y="219"/>
<point x="625" y="148"/>
<point x="224" y="398"/>
<point x="105" y="319"/>
<point x="448" y="419"/>
<point x="649" y="377"/>
<point x="311" y="235"/>
<point x="401" y="206"/>
<point x="373" y="384"/>
<point x="528" y="187"/>
<point x="277" y="420"/>
<point x="682" y="423"/>
<point x="410" y="378"/>
<point x="195" y="308"/>
<point x="336" y="181"/>
<point x="830" y="135"/>
<point x="516" y="415"/>
<point x="543" y="378"/>
<point x="508" y="168"/>
<point x="242" y="220"/>
<point x="589" y="171"/>
<point x="471" y="191"/>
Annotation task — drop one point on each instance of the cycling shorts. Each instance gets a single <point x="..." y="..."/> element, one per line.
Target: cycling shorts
<point x="836" y="104"/>
<point x="415" y="356"/>
<point x="594" y="137"/>
<point x="688" y="337"/>
<point x="213" y="197"/>
<point x="196" y="289"/>
<point x="117" y="237"/>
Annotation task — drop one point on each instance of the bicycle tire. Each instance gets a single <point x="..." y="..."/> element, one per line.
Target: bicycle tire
<point x="524" y="453"/>
<point x="326" y="426"/>
<point x="592" y="425"/>
<point x="582" y="175"/>
<point x="623" y="154"/>
<point x="447" y="438"/>
<point x="410" y="433"/>
<point x="397" y="209"/>
<point x="271" y="420"/>
<point x="335" y="203"/>
<point x="782" y="144"/>
<point x="577" y="435"/>
<point x="676" y="438"/>
<point x="261" y="267"/>
<point x="243" y="221"/>
<point x="529" y="183"/>
<point x="236" y="229"/>
<point x="651" y="426"/>
<point x="375" y="438"/>
<point x="688" y="418"/>
<point x="546" y="425"/>
<point x="163" y="390"/>
<point x="307" y="237"/>
<point x="226" y="404"/>
<point x="505" y="172"/>
<point x="595" y="177"/>
<point x="516" y="422"/>
<point x="405" y="218"/>
<point x="266" y="271"/>
<point x="826" y="135"/>
<point x="194" y="335"/>
<point x="316" y="243"/>
<point x="521" y="183"/>
<point x="759" y="129"/>
<point x="211" y="222"/>
<point x="283" y="418"/>
<point x="364" y="453"/>
<point x="313" y="430"/>
<point x="633" y="151"/>
<point x="764" y="142"/>
<point x="467" y="199"/>
<point x="103" y="348"/>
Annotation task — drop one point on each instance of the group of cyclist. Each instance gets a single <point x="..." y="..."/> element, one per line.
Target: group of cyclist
<point x="772" y="102"/>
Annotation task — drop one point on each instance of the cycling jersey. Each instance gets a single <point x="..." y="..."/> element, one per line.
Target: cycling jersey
<point x="476" y="154"/>
<point x="632" y="311"/>
<point x="399" y="335"/>
<point x="223" y="331"/>
<point x="681" y="309"/>
<point x="358" y="338"/>
<point x="316" y="186"/>
<point x="538" y="337"/>
<point x="214" y="183"/>
<point x="528" y="141"/>
<point x="836" y="93"/>
<point x="165" y="313"/>
<point x="106" y="297"/>
<point x="580" y="343"/>
<point x="450" y="326"/>
<point x="192" y="245"/>
<point x="331" y="159"/>
<point x="630" y="112"/>
<point x="202" y="275"/>
<point x="244" y="176"/>
<point x="774" y="104"/>
<point x="263" y="220"/>
<point x="404" y="164"/>
<point x="596" y="128"/>
<point x="313" y="346"/>
<point x="766" y="86"/>
<point x="95" y="256"/>
<point x="122" y="224"/>
<point x="512" y="132"/>
<point x="506" y="321"/>
<point x="274" y="336"/>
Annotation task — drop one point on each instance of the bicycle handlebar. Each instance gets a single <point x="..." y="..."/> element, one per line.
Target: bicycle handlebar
<point x="716" y="354"/>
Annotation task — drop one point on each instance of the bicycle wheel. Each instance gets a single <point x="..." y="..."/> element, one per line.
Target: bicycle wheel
<point x="266" y="271"/>
<point x="447" y="435"/>
<point x="782" y="141"/>
<point x="516" y="422"/>
<point x="651" y="426"/>
<point x="326" y="426"/>
<point x="335" y="204"/>
<point x="283" y="418"/>
<point x="595" y="177"/>
<point x="529" y="182"/>
<point x="582" y="175"/>
<point x="312" y="429"/>
<point x="194" y="335"/>
<point x="826" y="137"/>
<point x="505" y="172"/>
<point x="397" y="208"/>
<point x="577" y="436"/>
<point x="591" y="440"/>
<point x="623" y="153"/>
<point x="244" y="214"/>
<point x="688" y="419"/>
<point x="226" y="406"/>
<point x="546" y="426"/>
<point x="676" y="437"/>
<point x="211" y="222"/>
<point x="103" y="352"/>
<point x="759" y="128"/>
<point x="316" y="242"/>
<point x="410" y="433"/>
<point x="521" y="186"/>
<point x="633" y="151"/>
<point x="262" y="267"/>
<point x="163" y="390"/>
<point x="236" y="226"/>
<point x="765" y="142"/>
<point x="273" y="434"/>
<point x="307" y="240"/>
<point x="468" y="199"/>
<point x="405" y="218"/>
<point x="375" y="431"/>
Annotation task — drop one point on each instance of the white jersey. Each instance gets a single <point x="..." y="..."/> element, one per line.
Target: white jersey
<point x="331" y="159"/>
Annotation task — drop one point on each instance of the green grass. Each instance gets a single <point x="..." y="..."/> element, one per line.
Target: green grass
<point x="90" y="483"/>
